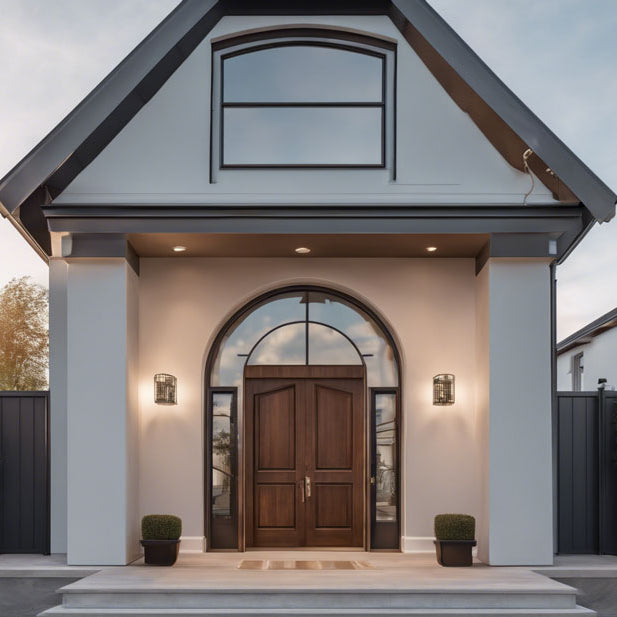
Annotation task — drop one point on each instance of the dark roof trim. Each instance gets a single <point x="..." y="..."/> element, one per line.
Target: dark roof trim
<point x="315" y="219"/>
<point x="21" y="229"/>
<point x="86" y="131"/>
<point x="419" y="17"/>
<point x="584" y="335"/>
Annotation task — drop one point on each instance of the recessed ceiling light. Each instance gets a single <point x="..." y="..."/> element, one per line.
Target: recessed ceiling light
<point x="303" y="250"/>
<point x="431" y="249"/>
<point x="179" y="249"/>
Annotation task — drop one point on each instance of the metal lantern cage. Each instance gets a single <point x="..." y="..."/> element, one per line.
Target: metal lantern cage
<point x="443" y="389"/>
<point x="165" y="389"/>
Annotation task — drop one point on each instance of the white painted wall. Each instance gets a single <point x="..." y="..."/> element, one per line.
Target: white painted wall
<point x="514" y="401"/>
<point x="162" y="155"/>
<point x="430" y="306"/>
<point x="599" y="361"/>
<point x="102" y="415"/>
<point x="482" y="391"/>
<point x="58" y="273"/>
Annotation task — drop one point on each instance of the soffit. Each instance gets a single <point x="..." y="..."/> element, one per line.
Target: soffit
<point x="321" y="245"/>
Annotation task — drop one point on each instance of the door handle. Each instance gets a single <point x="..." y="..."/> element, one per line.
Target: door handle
<point x="302" y="498"/>
<point x="307" y="482"/>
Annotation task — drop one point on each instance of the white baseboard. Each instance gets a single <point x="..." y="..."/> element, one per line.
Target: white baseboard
<point x="192" y="544"/>
<point x="410" y="544"/>
<point x="418" y="544"/>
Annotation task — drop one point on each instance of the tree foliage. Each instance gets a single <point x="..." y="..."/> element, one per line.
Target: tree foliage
<point x="24" y="335"/>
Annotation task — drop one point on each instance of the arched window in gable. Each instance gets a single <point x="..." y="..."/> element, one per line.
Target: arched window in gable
<point x="309" y="98"/>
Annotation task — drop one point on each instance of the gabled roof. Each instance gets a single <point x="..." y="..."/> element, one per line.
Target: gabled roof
<point x="510" y="126"/>
<point x="608" y="321"/>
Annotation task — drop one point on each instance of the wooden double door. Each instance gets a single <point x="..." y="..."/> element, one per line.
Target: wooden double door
<point x="305" y="456"/>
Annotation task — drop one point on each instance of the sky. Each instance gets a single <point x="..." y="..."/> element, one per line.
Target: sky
<point x="558" y="56"/>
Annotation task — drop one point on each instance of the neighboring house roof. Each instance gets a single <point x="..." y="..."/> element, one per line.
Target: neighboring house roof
<point x="588" y="332"/>
<point x="510" y="126"/>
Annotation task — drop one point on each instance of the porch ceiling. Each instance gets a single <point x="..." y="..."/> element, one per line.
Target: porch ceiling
<point x="321" y="245"/>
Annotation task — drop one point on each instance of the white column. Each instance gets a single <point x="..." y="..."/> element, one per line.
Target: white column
<point x="102" y="413"/>
<point x="57" y="402"/>
<point x="514" y="410"/>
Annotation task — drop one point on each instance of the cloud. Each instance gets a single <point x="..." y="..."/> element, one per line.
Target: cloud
<point x="54" y="53"/>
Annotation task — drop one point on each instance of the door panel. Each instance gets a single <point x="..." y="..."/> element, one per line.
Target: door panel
<point x="304" y="461"/>
<point x="276" y="505"/>
<point x="333" y="506"/>
<point x="275" y="430"/>
<point x="335" y="462"/>
<point x="275" y="463"/>
<point x="334" y="428"/>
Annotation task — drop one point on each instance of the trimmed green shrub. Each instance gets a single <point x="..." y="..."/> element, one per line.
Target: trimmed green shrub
<point x="161" y="527"/>
<point x="455" y="527"/>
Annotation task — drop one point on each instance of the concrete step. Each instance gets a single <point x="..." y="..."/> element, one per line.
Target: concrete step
<point x="61" y="611"/>
<point x="394" y="587"/>
<point x="379" y="599"/>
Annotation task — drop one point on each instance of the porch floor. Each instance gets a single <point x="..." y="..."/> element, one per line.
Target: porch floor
<point x="391" y="571"/>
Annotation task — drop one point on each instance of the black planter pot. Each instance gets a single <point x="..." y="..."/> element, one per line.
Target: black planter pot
<point x="454" y="553"/>
<point x="160" y="552"/>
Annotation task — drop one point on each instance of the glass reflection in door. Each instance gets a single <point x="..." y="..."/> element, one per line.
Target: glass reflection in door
<point x="385" y="423"/>
<point x="222" y="484"/>
<point x="384" y="465"/>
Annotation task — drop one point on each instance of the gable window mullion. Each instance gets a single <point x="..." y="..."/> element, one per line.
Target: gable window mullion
<point x="328" y="111"/>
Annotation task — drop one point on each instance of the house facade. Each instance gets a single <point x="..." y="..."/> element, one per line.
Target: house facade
<point x="301" y="263"/>
<point x="588" y="356"/>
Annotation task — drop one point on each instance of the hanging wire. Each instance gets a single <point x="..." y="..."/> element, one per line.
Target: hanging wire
<point x="526" y="155"/>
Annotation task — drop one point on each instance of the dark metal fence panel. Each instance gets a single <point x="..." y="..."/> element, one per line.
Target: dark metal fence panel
<point x="608" y="472"/>
<point x="578" y="472"/>
<point x="24" y="472"/>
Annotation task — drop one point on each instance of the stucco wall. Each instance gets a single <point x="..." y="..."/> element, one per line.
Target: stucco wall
<point x="430" y="307"/>
<point x="58" y="273"/>
<point x="163" y="154"/>
<point x="102" y="423"/>
<point x="520" y="452"/>
<point x="483" y="380"/>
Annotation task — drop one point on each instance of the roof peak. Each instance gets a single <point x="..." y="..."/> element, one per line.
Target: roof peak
<point x="510" y="126"/>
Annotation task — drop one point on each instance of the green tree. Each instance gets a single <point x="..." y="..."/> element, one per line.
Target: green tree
<point x="24" y="335"/>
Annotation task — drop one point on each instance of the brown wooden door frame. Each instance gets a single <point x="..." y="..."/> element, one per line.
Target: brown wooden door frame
<point x="280" y="377"/>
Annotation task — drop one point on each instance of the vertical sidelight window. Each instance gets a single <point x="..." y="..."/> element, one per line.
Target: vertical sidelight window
<point x="385" y="486"/>
<point x="223" y="469"/>
<point x="310" y="100"/>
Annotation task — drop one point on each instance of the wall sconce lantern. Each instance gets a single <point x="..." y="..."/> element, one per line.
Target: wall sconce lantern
<point x="165" y="389"/>
<point x="443" y="389"/>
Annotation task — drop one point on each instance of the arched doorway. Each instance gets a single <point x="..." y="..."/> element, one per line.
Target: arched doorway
<point x="310" y="378"/>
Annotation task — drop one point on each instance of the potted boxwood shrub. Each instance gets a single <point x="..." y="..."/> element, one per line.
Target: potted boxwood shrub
<point x="161" y="539"/>
<point x="455" y="537"/>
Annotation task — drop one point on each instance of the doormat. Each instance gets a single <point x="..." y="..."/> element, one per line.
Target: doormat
<point x="313" y="564"/>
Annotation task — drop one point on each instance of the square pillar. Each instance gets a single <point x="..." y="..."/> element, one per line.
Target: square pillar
<point x="514" y="411"/>
<point x="102" y="412"/>
<point x="58" y="271"/>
